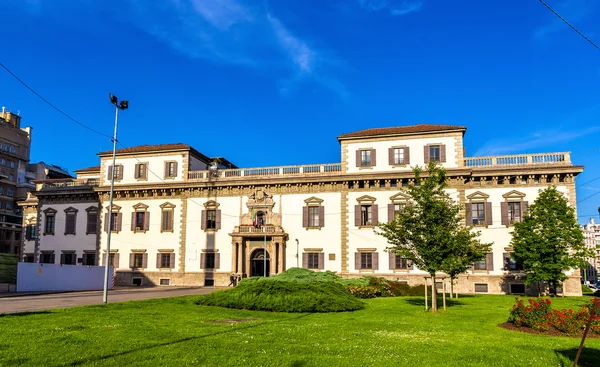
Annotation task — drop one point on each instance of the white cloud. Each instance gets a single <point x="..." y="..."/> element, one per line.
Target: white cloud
<point x="394" y="7"/>
<point x="233" y="32"/>
<point x="534" y="140"/>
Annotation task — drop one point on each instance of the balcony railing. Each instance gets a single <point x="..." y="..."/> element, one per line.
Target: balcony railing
<point x="64" y="183"/>
<point x="282" y="171"/>
<point x="562" y="158"/>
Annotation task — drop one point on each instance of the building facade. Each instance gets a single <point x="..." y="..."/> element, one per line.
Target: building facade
<point x="591" y="232"/>
<point x="178" y="219"/>
<point x="14" y="155"/>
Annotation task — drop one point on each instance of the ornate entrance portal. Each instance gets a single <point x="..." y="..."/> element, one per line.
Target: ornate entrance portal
<point x="257" y="263"/>
<point x="259" y="227"/>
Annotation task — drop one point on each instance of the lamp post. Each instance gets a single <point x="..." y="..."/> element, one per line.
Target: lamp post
<point x="123" y="105"/>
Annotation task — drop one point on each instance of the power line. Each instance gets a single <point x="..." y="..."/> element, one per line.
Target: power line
<point x="588" y="197"/>
<point x="52" y="105"/>
<point x="570" y="25"/>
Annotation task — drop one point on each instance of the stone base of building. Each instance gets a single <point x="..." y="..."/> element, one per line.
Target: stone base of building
<point x="466" y="283"/>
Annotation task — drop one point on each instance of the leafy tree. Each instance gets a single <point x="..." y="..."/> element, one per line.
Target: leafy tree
<point x="429" y="231"/>
<point x="548" y="240"/>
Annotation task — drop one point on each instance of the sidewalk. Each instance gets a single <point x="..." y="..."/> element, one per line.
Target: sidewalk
<point x="14" y="293"/>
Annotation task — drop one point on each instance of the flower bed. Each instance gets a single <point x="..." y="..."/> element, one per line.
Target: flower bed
<point x="539" y="315"/>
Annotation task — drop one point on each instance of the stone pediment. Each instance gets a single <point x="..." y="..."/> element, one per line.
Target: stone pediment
<point x="400" y="197"/>
<point x="366" y="199"/>
<point x="313" y="200"/>
<point x="478" y="195"/>
<point x="514" y="194"/>
<point x="140" y="206"/>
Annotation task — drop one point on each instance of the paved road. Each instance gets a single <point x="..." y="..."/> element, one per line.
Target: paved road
<point x="41" y="302"/>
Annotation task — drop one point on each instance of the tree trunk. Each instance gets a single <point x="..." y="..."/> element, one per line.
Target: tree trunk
<point x="433" y="295"/>
<point x="425" y="294"/>
<point x="444" y="293"/>
<point x="539" y="288"/>
<point x="451" y="288"/>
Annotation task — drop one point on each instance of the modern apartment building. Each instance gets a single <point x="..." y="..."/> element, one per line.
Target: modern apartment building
<point x="179" y="219"/>
<point x="14" y="155"/>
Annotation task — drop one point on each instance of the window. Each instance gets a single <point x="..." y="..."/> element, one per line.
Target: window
<point x="209" y="260"/>
<point x="434" y="153"/>
<point x="47" y="257"/>
<point x="70" y="220"/>
<point x="366" y="260"/>
<point x="111" y="259"/>
<point x="365" y="158"/>
<point x="49" y="221"/>
<point x="170" y="169"/>
<point x="401" y="263"/>
<point x="138" y="261"/>
<point x="211" y="219"/>
<point x="398" y="209"/>
<point x="481" y="288"/>
<point x="114" y="222"/>
<point x="140" y="218"/>
<point x="9" y="192"/>
<point x="117" y="172"/>
<point x="1" y="190"/>
<point x="478" y="213"/>
<point x="167" y="221"/>
<point x="517" y="288"/>
<point x="11" y="164"/>
<point x="141" y="170"/>
<point x="165" y="261"/>
<point x="28" y="258"/>
<point x="11" y="177"/>
<point x="68" y="258"/>
<point x="9" y="205"/>
<point x="399" y="156"/>
<point x="313" y="216"/>
<point x="164" y="281"/>
<point x="92" y="221"/>
<point x="514" y="212"/>
<point x="89" y="258"/>
<point x="366" y="215"/>
<point x="313" y="260"/>
<point x="480" y="265"/>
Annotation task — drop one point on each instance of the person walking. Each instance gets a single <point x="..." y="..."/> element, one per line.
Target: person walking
<point x="231" y="280"/>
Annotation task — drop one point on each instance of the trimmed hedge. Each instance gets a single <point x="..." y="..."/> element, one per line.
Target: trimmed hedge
<point x="284" y="295"/>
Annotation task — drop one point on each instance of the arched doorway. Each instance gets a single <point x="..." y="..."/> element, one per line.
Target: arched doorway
<point x="257" y="263"/>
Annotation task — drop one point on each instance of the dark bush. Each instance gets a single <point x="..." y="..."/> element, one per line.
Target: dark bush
<point x="273" y="294"/>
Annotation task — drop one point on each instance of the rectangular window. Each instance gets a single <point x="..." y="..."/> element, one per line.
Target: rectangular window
<point x="171" y="169"/>
<point x="211" y="219"/>
<point x="517" y="288"/>
<point x="480" y="265"/>
<point x="70" y="223"/>
<point x="398" y="155"/>
<point x="313" y="260"/>
<point x="47" y="258"/>
<point x="167" y="220"/>
<point x="140" y="170"/>
<point x="49" y="226"/>
<point x="28" y="258"/>
<point x="366" y="260"/>
<point x="89" y="258"/>
<point x="69" y="259"/>
<point x="481" y="288"/>
<point x="138" y="261"/>
<point x="401" y="263"/>
<point x="434" y="153"/>
<point x="139" y="220"/>
<point x="165" y="261"/>
<point x="9" y="192"/>
<point x="365" y="158"/>
<point x="113" y="222"/>
<point x="118" y="172"/>
<point x="313" y="216"/>
<point x="9" y="205"/>
<point x="11" y="164"/>
<point x="111" y="260"/>
<point x="210" y="260"/>
<point x="366" y="212"/>
<point x="92" y="222"/>
<point x="478" y="213"/>
<point x="1" y="190"/>
<point x="398" y="208"/>
<point x="514" y="264"/>
<point x="514" y="212"/>
<point x="31" y="232"/>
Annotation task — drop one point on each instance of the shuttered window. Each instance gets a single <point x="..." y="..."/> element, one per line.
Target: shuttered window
<point x="49" y="223"/>
<point x="170" y="169"/>
<point x="167" y="220"/>
<point x="141" y="171"/>
<point x="313" y="216"/>
<point x="92" y="221"/>
<point x="70" y="220"/>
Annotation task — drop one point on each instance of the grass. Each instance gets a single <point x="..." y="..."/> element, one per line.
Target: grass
<point x="388" y="332"/>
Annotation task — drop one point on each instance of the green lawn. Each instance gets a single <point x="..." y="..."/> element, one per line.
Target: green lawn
<point x="389" y="332"/>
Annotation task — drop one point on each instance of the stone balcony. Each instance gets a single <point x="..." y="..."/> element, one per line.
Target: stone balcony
<point x="66" y="183"/>
<point x="267" y="172"/>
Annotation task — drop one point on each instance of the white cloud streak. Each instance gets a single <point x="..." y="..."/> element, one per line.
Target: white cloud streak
<point x="394" y="7"/>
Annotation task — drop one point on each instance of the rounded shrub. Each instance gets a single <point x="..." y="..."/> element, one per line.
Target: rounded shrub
<point x="284" y="295"/>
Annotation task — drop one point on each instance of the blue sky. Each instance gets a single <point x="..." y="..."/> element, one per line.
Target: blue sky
<point x="292" y="75"/>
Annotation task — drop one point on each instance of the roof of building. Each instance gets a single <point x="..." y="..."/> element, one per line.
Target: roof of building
<point x="156" y="148"/>
<point x="401" y="130"/>
<point x="88" y="169"/>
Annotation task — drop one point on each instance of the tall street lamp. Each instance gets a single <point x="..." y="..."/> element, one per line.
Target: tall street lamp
<point x="123" y="105"/>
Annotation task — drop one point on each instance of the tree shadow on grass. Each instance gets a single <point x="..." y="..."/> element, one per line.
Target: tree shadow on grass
<point x="421" y="302"/>
<point x="590" y="357"/>
<point x="27" y="313"/>
<point x="183" y="340"/>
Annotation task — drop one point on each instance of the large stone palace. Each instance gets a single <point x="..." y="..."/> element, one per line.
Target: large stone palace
<point x="182" y="218"/>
